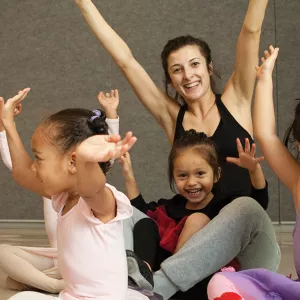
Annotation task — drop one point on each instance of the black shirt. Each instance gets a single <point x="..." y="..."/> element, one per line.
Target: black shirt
<point x="235" y="181"/>
<point x="175" y="207"/>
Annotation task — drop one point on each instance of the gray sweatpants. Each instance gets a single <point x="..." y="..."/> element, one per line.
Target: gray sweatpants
<point x="242" y="229"/>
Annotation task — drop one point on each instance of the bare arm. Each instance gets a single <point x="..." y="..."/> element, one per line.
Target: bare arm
<point x="132" y="189"/>
<point x="90" y="178"/>
<point x="162" y="108"/>
<point x="91" y="187"/>
<point x="21" y="161"/>
<point x="257" y="177"/>
<point x="276" y="154"/>
<point x="243" y="78"/>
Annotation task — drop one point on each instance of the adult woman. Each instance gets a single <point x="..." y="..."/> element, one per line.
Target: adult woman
<point x="242" y="229"/>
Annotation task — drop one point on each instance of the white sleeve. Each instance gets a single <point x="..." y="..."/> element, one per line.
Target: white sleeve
<point x="113" y="125"/>
<point x="4" y="150"/>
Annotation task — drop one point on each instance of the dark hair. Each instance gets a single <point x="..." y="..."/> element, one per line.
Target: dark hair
<point x="201" y="142"/>
<point x="69" y="127"/>
<point x="292" y="134"/>
<point x="178" y="43"/>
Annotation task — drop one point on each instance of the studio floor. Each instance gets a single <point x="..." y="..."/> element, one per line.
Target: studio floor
<point x="37" y="237"/>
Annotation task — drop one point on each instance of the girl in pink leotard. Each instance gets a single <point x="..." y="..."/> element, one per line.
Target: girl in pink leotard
<point x="69" y="147"/>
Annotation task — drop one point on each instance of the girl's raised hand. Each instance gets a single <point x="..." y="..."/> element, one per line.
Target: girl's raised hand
<point x="102" y="148"/>
<point x="246" y="157"/>
<point x="12" y="107"/>
<point x="268" y="62"/>
<point x="109" y="102"/>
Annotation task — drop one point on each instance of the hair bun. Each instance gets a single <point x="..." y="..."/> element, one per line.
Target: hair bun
<point x="193" y="132"/>
<point x="97" y="122"/>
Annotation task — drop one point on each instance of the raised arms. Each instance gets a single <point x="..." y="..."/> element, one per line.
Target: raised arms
<point x="247" y="50"/>
<point x="162" y="108"/>
<point x="276" y="154"/>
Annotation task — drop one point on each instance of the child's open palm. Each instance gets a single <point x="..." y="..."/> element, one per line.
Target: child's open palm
<point x="12" y="106"/>
<point x="109" y="101"/>
<point x="102" y="148"/>
<point x="246" y="157"/>
<point x="268" y="63"/>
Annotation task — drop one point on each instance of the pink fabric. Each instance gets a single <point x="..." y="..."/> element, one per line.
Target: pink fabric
<point x="220" y="288"/>
<point x="91" y="254"/>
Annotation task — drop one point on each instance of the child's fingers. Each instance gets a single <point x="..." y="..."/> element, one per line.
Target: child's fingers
<point x="253" y="150"/>
<point x="113" y="138"/>
<point x="239" y="146"/>
<point x="100" y="95"/>
<point x="266" y="53"/>
<point x="259" y="159"/>
<point x="247" y="145"/>
<point x="19" y="97"/>
<point x="232" y="160"/>
<point x="131" y="142"/>
<point x="126" y="138"/>
<point x="116" y="93"/>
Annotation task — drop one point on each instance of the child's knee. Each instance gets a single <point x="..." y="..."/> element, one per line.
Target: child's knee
<point x="197" y="220"/>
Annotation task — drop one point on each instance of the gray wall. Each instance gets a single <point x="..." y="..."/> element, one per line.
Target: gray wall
<point x="46" y="45"/>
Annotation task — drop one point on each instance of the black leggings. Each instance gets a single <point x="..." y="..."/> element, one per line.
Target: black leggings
<point x="146" y="241"/>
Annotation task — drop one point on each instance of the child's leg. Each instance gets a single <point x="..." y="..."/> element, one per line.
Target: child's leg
<point x="146" y="240"/>
<point x="193" y="223"/>
<point x="32" y="296"/>
<point x="27" y="268"/>
<point x="242" y="229"/>
<point x="141" y="261"/>
<point x="128" y="225"/>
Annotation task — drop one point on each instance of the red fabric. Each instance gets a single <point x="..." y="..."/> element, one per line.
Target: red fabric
<point x="229" y="296"/>
<point x="169" y="231"/>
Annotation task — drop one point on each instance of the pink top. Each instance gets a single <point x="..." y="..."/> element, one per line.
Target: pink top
<point x="91" y="254"/>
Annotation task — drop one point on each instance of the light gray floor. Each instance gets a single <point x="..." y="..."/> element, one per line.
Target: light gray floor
<point x="37" y="237"/>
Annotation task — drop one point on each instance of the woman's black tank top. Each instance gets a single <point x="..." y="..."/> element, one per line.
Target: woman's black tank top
<point x="235" y="181"/>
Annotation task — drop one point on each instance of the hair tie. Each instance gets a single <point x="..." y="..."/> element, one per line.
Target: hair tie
<point x="97" y="114"/>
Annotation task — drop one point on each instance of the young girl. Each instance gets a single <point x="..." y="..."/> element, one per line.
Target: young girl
<point x="109" y="102"/>
<point x="194" y="170"/>
<point x="69" y="146"/>
<point x="260" y="283"/>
